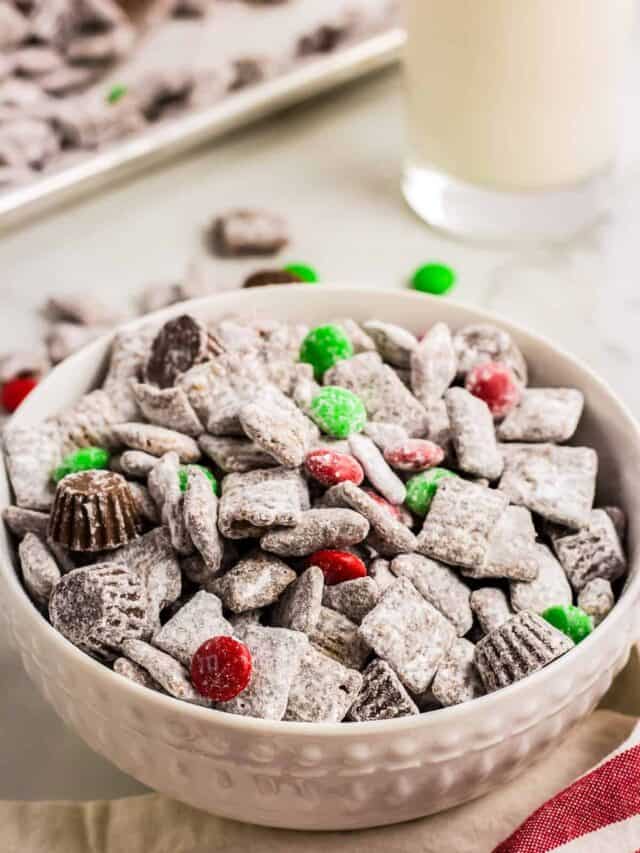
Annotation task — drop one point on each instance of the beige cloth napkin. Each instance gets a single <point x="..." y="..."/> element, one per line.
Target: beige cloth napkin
<point x="155" y="824"/>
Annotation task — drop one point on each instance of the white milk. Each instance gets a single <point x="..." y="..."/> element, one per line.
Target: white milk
<point x="515" y="94"/>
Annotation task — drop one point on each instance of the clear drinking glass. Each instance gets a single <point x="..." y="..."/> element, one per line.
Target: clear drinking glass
<point x="512" y="113"/>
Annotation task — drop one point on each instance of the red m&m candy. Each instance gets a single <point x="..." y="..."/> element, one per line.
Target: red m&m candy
<point x="414" y="454"/>
<point x="329" y="467"/>
<point x="221" y="668"/>
<point x="15" y="390"/>
<point x="496" y="384"/>
<point x="384" y="503"/>
<point x="338" y="566"/>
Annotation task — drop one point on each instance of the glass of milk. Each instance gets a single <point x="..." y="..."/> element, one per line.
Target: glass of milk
<point x="512" y="113"/>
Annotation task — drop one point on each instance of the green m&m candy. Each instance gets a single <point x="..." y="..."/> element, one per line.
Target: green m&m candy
<point x="303" y="271"/>
<point x="572" y="621"/>
<point x="338" y="412"/>
<point x="183" y="477"/>
<point x="437" y="279"/>
<point x="421" y="489"/>
<point x="84" y="459"/>
<point x="323" y="347"/>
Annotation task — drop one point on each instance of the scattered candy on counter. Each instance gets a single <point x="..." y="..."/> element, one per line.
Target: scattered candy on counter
<point x="303" y="272"/>
<point x="437" y="279"/>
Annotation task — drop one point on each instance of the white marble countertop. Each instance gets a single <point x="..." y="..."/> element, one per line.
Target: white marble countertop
<point x="332" y="166"/>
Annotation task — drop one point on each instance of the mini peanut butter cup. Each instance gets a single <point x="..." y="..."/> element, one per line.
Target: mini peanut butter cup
<point x="93" y="511"/>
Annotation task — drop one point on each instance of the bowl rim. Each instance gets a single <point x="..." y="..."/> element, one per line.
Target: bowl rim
<point x="452" y="714"/>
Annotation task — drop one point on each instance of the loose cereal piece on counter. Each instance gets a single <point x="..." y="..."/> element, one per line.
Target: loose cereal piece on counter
<point x="413" y="454"/>
<point x="323" y="347"/>
<point x="543" y="415"/>
<point x="496" y="385"/>
<point x="14" y="27"/>
<point x="394" y="343"/>
<point x="93" y="511"/>
<point x="63" y="339"/>
<point x="433" y="364"/>
<point x="382" y="696"/>
<point x="593" y="552"/>
<point x="460" y="522"/>
<point x="473" y="434"/>
<point x="440" y="586"/>
<point x="167" y="407"/>
<point x="128" y="669"/>
<point x="261" y="499"/>
<point x="322" y="690"/>
<point x="164" y="487"/>
<point x="338" y="412"/>
<point x="385" y="435"/>
<point x="33" y="452"/>
<point x="280" y="430"/>
<point x="316" y="530"/>
<point x="353" y="598"/>
<point x="256" y="581"/>
<point x="597" y="599"/>
<point x="490" y="607"/>
<point x="619" y="519"/>
<point x="338" y="566"/>
<point x="137" y="463"/>
<point x="337" y="636"/>
<point x="299" y="606"/>
<point x="197" y="621"/>
<point x="233" y="454"/>
<point x="263" y="278"/>
<point x="549" y="588"/>
<point x="392" y="536"/>
<point x="276" y="655"/>
<point x="379" y="569"/>
<point x="329" y="468"/>
<point x="40" y="571"/>
<point x="221" y="668"/>
<point x="145" y="505"/>
<point x="21" y="521"/>
<point x="179" y="345"/>
<point x="519" y="647"/>
<point x="383" y="394"/>
<point x="360" y="340"/>
<point x="90" y="122"/>
<point x="243" y="231"/>
<point x="170" y="675"/>
<point x="377" y="469"/>
<point x="409" y="633"/>
<point x="201" y="519"/>
<point x="70" y="309"/>
<point x="457" y="679"/>
<point x="422" y="488"/>
<point x="99" y="608"/>
<point x="513" y="552"/>
<point x="482" y="342"/>
<point x="157" y="440"/>
<point x="558" y="483"/>
<point x="572" y="621"/>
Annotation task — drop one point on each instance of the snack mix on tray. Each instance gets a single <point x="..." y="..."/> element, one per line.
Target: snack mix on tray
<point x="339" y="523"/>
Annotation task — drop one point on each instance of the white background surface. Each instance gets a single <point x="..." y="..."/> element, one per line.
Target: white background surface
<point x="332" y="167"/>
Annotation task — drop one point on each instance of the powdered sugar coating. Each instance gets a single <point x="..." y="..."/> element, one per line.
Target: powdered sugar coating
<point x="382" y="695"/>
<point x="322" y="690"/>
<point x="544" y="414"/>
<point x="394" y="343"/>
<point x="597" y="599"/>
<point x="550" y="588"/>
<point x="201" y="519"/>
<point x="512" y="549"/>
<point x="299" y="606"/>
<point x="593" y="552"/>
<point x="338" y="637"/>
<point x="156" y="440"/>
<point x="479" y="343"/>
<point x="198" y="620"/>
<point x="256" y="581"/>
<point x="261" y="499"/>
<point x="317" y="530"/>
<point x="235" y="454"/>
<point x="168" y="672"/>
<point x="40" y="571"/>
<point x="457" y="679"/>
<point x="473" y="434"/>
<point x="491" y="608"/>
<point x="433" y="364"/>
<point x="20" y="521"/>
<point x="167" y="407"/>
<point x="354" y="598"/>
<point x="377" y="469"/>
<point x="128" y="669"/>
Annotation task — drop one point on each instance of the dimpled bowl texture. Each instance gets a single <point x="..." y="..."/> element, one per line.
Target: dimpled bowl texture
<point x="336" y="776"/>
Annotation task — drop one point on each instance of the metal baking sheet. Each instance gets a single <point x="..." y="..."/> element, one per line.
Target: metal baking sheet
<point x="168" y="139"/>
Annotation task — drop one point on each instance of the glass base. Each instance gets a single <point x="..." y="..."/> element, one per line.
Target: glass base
<point x="473" y="212"/>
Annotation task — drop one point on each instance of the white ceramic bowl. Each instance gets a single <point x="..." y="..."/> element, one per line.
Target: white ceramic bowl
<point x="336" y="776"/>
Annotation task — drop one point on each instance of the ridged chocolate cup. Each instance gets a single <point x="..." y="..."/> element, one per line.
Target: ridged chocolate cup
<point x="93" y="511"/>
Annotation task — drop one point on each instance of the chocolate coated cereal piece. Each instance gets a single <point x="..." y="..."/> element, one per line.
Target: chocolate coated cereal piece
<point x="198" y="620"/>
<point x="519" y="647"/>
<point x="88" y="423"/>
<point x="164" y="487"/>
<point x="479" y="343"/>
<point x="40" y="571"/>
<point x="242" y="232"/>
<point x="128" y="669"/>
<point x="337" y="636"/>
<point x="33" y="452"/>
<point x="461" y="519"/>
<point x="593" y="552"/>
<point x="512" y="551"/>
<point x="167" y="407"/>
<point x="201" y="519"/>
<point x="558" y="483"/>
<point x="550" y="588"/>
<point x="360" y="340"/>
<point x="261" y="499"/>
<point x="377" y="469"/>
<point x="275" y="655"/>
<point x="596" y="598"/>
<point x="433" y="364"/>
<point x="409" y="633"/>
<point x="233" y="454"/>
<point x="440" y="586"/>
<point x="137" y="463"/>
<point x="169" y="674"/>
<point x="256" y="581"/>
<point x="21" y="521"/>
<point x="145" y="505"/>
<point x="322" y="690"/>
<point x="100" y="607"/>
<point x="385" y="435"/>
<point x="438" y="428"/>
<point x="280" y="429"/>
<point x="383" y="394"/>
<point x="129" y="351"/>
<point x="382" y="696"/>
<point x="157" y="440"/>
<point x="490" y="607"/>
<point x="299" y="606"/>
<point x="379" y="570"/>
<point x="14" y="27"/>
<point x="473" y="434"/>
<point x="180" y="344"/>
<point x="619" y="520"/>
<point x="544" y="414"/>
<point x="394" y="343"/>
<point x="317" y="530"/>
<point x="457" y="679"/>
<point x="354" y="598"/>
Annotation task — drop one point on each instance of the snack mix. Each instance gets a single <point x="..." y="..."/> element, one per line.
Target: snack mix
<point x="340" y="523"/>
